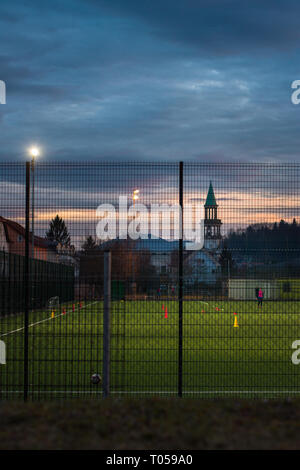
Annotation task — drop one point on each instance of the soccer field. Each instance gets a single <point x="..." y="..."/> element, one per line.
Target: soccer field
<point x="253" y="359"/>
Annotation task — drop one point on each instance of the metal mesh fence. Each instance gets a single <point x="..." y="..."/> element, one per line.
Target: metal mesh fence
<point x="213" y="316"/>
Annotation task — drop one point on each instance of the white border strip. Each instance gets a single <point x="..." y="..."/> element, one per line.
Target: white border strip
<point x="151" y="392"/>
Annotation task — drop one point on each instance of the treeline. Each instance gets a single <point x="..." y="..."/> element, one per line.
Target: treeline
<point x="282" y="235"/>
<point x="128" y="264"/>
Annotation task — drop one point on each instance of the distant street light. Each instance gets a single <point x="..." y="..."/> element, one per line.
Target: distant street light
<point x="135" y="195"/>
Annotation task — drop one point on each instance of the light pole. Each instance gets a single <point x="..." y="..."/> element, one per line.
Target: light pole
<point x="34" y="152"/>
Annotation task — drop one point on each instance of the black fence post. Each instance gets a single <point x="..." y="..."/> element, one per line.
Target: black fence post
<point x="180" y="280"/>
<point x="26" y="281"/>
<point x="106" y="323"/>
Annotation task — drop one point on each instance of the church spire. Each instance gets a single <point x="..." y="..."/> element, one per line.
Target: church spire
<point x="210" y="200"/>
<point x="212" y="225"/>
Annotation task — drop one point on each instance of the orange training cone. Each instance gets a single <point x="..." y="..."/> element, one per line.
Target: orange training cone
<point x="52" y="314"/>
<point x="235" y="325"/>
<point x="166" y="313"/>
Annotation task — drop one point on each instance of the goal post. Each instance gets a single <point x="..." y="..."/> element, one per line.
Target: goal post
<point x="53" y="303"/>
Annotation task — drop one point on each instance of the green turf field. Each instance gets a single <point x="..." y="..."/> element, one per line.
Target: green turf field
<point x="251" y="360"/>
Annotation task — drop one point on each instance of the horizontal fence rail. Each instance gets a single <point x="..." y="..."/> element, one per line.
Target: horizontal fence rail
<point x="202" y="297"/>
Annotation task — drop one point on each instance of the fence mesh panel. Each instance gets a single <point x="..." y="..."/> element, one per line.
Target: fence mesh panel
<point x="257" y="250"/>
<point x="241" y="286"/>
<point x="12" y="203"/>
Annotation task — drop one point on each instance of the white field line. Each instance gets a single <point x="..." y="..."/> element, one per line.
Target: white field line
<point x="42" y="321"/>
<point x="213" y="305"/>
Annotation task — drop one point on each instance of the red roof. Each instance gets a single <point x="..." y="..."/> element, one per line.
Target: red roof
<point x="38" y="241"/>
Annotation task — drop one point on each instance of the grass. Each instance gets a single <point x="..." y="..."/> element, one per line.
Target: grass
<point x="218" y="359"/>
<point x="151" y="424"/>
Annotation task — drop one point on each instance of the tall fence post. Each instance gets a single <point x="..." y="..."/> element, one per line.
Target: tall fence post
<point x="106" y="323"/>
<point x="26" y="281"/>
<point x="180" y="280"/>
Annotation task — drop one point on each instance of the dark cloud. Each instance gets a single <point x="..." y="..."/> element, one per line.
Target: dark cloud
<point x="140" y="80"/>
<point x="220" y="26"/>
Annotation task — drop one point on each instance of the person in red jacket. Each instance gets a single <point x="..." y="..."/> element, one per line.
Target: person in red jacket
<point x="260" y="296"/>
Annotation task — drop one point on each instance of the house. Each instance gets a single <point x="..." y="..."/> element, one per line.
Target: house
<point x="12" y="240"/>
<point x="202" y="267"/>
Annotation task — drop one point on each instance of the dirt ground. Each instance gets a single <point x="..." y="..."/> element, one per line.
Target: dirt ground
<point x="164" y="424"/>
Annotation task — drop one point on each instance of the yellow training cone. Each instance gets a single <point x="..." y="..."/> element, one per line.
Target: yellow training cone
<point x="235" y="325"/>
<point x="52" y="315"/>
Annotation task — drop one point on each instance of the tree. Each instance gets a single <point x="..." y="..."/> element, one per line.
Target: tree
<point x="89" y="244"/>
<point x="58" y="232"/>
<point x="226" y="261"/>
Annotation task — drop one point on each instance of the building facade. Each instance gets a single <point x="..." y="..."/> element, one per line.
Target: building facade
<point x="212" y="224"/>
<point x="203" y="265"/>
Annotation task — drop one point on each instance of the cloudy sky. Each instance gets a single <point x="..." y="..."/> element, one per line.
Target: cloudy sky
<point x="198" y="80"/>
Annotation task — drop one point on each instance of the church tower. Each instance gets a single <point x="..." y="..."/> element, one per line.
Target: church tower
<point x="212" y="225"/>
